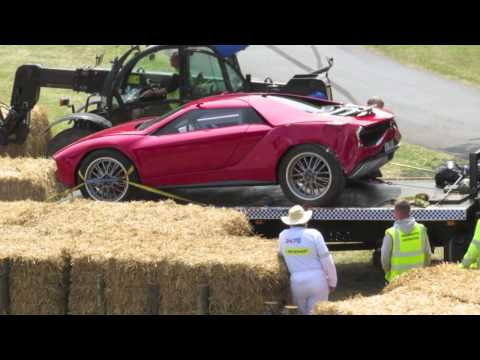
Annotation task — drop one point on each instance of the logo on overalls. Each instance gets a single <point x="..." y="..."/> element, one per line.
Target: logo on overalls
<point x="297" y="251"/>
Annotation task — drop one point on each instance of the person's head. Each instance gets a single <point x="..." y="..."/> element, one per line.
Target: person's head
<point x="376" y="102"/>
<point x="402" y="210"/>
<point x="175" y="60"/>
<point x="297" y="216"/>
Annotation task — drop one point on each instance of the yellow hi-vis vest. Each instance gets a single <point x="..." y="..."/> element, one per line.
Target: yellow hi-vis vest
<point x="471" y="259"/>
<point x="408" y="250"/>
<point x="174" y="95"/>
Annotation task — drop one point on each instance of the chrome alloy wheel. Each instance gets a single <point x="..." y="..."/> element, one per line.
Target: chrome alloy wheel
<point x="106" y="179"/>
<point x="309" y="176"/>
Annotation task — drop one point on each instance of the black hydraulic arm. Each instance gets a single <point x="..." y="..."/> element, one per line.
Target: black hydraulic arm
<point x="29" y="80"/>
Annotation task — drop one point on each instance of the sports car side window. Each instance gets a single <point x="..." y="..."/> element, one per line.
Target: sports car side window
<point x="222" y="118"/>
<point x="182" y="124"/>
<point x="197" y="120"/>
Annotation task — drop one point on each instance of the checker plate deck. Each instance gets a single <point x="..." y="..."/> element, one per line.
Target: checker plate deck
<point x="360" y="201"/>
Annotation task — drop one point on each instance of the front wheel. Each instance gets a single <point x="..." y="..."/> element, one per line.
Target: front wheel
<point x="65" y="138"/>
<point x="309" y="175"/>
<point x="106" y="175"/>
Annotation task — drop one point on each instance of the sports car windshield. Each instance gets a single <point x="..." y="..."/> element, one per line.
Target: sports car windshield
<point x="303" y="105"/>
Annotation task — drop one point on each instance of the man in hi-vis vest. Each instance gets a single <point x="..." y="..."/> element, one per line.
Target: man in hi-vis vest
<point x="471" y="260"/>
<point x="405" y="245"/>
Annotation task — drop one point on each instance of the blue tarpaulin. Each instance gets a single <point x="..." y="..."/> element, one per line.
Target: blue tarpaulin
<point x="229" y="50"/>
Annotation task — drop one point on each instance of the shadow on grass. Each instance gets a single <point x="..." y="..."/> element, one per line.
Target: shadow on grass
<point x="358" y="278"/>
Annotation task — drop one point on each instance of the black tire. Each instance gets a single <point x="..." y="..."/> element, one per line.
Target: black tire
<point x="88" y="192"/>
<point x="456" y="247"/>
<point x="66" y="138"/>
<point x="335" y="187"/>
<point x="377" y="258"/>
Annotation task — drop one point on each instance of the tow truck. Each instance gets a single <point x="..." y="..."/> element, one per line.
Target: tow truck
<point x="358" y="220"/>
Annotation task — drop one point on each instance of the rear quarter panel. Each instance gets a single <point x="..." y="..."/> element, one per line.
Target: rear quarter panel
<point x="339" y="138"/>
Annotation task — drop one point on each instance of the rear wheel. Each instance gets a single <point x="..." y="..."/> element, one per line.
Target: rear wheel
<point x="309" y="175"/>
<point x="106" y="177"/>
<point x="65" y="138"/>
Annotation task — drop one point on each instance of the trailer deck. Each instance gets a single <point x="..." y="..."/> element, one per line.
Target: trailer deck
<point x="361" y="201"/>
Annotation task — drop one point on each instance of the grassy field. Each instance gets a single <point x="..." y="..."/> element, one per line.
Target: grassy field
<point x="455" y="61"/>
<point x="419" y="157"/>
<point x="67" y="56"/>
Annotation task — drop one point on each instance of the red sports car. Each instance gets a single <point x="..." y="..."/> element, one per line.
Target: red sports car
<point x="308" y="146"/>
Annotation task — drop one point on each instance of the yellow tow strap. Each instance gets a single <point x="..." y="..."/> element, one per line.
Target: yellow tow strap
<point x="420" y="200"/>
<point x="129" y="182"/>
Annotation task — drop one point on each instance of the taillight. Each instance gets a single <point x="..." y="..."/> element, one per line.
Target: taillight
<point x="398" y="135"/>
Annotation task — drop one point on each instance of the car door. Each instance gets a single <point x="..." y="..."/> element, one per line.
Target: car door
<point x="198" y="142"/>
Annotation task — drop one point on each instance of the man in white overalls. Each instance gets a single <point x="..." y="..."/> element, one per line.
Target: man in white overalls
<point x="312" y="271"/>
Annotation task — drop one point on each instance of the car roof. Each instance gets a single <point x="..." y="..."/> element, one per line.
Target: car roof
<point x="274" y="112"/>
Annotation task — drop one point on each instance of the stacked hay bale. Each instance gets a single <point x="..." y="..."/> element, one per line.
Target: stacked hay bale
<point x="27" y="179"/>
<point x="440" y="290"/>
<point x="133" y="246"/>
<point x="36" y="144"/>
<point x="37" y="263"/>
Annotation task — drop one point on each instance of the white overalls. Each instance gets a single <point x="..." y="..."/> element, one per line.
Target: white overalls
<point x="311" y="267"/>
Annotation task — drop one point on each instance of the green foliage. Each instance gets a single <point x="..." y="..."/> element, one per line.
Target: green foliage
<point x="456" y="61"/>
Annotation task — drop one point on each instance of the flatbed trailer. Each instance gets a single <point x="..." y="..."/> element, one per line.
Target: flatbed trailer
<point x="362" y="213"/>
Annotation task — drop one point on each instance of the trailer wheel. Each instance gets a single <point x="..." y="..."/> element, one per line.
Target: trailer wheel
<point x="309" y="175"/>
<point x="377" y="259"/>
<point x="66" y="138"/>
<point x="456" y="247"/>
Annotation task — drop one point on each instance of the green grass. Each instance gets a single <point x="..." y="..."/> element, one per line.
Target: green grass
<point x="67" y="56"/>
<point x="455" y="61"/>
<point x="416" y="156"/>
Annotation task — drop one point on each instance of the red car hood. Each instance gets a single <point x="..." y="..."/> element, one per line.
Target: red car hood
<point x="129" y="128"/>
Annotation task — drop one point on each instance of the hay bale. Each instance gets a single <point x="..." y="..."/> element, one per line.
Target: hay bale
<point x="241" y="276"/>
<point x="27" y="179"/>
<point x="38" y="271"/>
<point x="36" y="144"/>
<point x="39" y="285"/>
<point x="444" y="280"/>
<point x="239" y="284"/>
<point x="439" y="290"/>
<point x="138" y="244"/>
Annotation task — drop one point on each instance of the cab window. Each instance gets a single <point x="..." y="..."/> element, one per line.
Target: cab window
<point x="236" y="80"/>
<point x="205" y="75"/>
<point x="158" y="71"/>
